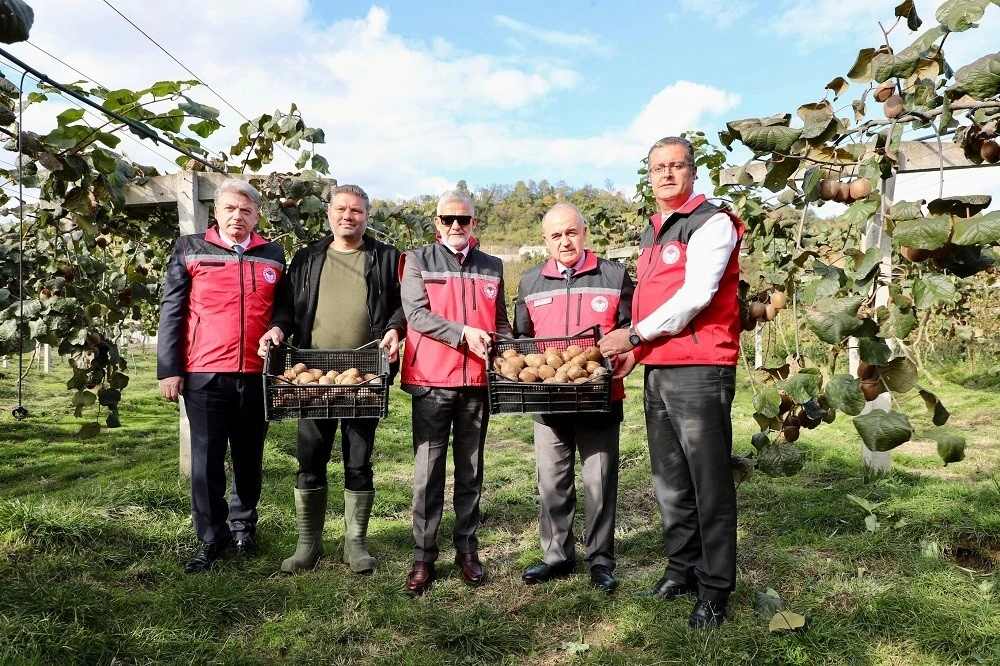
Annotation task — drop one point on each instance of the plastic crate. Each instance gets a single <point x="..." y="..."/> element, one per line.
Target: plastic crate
<point x="285" y="400"/>
<point x="510" y="397"/>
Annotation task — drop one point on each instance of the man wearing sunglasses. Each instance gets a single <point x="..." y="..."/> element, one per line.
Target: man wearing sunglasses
<point x="453" y="297"/>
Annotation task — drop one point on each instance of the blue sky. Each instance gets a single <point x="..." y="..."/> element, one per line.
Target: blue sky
<point x="417" y="95"/>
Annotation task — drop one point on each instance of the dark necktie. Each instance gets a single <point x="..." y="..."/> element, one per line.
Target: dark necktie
<point x="461" y="257"/>
<point x="238" y="249"/>
<point x="568" y="272"/>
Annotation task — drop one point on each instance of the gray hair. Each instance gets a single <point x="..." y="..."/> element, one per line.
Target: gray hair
<point x="238" y="186"/>
<point x="456" y="195"/>
<point x="350" y="189"/>
<point x="565" y="206"/>
<point x="674" y="141"/>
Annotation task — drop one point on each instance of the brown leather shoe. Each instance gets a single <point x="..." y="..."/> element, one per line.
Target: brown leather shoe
<point x="420" y="578"/>
<point x="472" y="568"/>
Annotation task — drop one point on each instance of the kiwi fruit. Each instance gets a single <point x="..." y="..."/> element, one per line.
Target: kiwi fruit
<point x="884" y="91"/>
<point x="915" y="255"/>
<point x="779" y="300"/>
<point x="893" y="106"/>
<point x="990" y="152"/>
<point x="860" y="188"/>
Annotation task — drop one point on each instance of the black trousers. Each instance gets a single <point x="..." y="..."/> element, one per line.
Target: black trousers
<point x="315" y="445"/>
<point x="225" y="410"/>
<point x="690" y="432"/>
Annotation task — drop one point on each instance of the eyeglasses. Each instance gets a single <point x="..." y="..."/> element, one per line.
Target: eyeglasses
<point x="673" y="166"/>
<point x="448" y="220"/>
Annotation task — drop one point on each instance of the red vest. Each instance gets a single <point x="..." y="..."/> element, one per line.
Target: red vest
<point x="713" y="336"/>
<point x="466" y="293"/>
<point x="549" y="305"/>
<point x="229" y="303"/>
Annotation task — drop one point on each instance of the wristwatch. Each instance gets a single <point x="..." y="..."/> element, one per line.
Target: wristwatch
<point x="633" y="337"/>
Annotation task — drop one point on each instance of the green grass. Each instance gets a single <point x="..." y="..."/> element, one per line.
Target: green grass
<point x="93" y="534"/>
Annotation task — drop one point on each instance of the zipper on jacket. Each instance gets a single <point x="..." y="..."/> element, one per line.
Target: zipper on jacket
<point x="579" y="309"/>
<point x="243" y="315"/>
<point x="569" y="301"/>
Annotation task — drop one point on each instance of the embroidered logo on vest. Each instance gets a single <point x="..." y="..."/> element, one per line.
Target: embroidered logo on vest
<point x="671" y="254"/>
<point x="490" y="290"/>
<point x="270" y="275"/>
<point x="599" y="303"/>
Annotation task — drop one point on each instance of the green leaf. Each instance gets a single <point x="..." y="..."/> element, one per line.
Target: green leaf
<point x="979" y="230"/>
<point x="312" y="204"/>
<point x="104" y="161"/>
<point x="931" y="288"/>
<point x="171" y="121"/>
<point x="862" y="502"/>
<point x="108" y="139"/>
<point x="868" y="262"/>
<point x="313" y="135"/>
<point x="905" y="210"/>
<point x="320" y="164"/>
<point x="906" y="10"/>
<point x="859" y="212"/>
<point x="109" y="397"/>
<point x="959" y="15"/>
<point x="119" y="381"/>
<point x="900" y="375"/>
<point x="810" y="183"/>
<point x="815" y="113"/>
<point x="67" y="137"/>
<point x="923" y="233"/>
<point x="760" y="440"/>
<point x="873" y="351"/>
<point x="900" y="322"/>
<point x="951" y="447"/>
<point x="979" y="79"/>
<point x="861" y="70"/>
<point x="966" y="206"/>
<point x="781" y="460"/>
<point x="573" y="647"/>
<point x="935" y="406"/>
<point x="883" y="431"/>
<point x="871" y="523"/>
<point x="834" y="320"/>
<point x="69" y="116"/>
<point x="786" y="621"/>
<point x="844" y="393"/>
<point x="894" y="65"/>
<point x="193" y="108"/>
<point x="803" y="386"/>
<point x="778" y="173"/>
<point x="767" y="401"/>
<point x="766" y="604"/>
<point x="165" y="88"/>
<point x="770" y="139"/>
<point x="205" y="128"/>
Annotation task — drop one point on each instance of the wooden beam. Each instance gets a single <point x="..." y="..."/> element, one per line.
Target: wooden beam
<point x="920" y="157"/>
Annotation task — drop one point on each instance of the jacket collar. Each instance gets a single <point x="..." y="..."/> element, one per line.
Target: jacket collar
<point x="551" y="270"/>
<point x="689" y="206"/>
<point x="213" y="236"/>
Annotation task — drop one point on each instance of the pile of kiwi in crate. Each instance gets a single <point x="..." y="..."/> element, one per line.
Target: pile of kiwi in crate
<point x="302" y="375"/>
<point x="573" y="365"/>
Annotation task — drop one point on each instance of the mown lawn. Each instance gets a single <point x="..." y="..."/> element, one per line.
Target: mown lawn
<point x="93" y="534"/>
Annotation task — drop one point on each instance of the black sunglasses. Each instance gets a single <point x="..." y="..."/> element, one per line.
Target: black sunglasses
<point x="463" y="220"/>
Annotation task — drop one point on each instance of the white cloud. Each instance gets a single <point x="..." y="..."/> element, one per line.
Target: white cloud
<point x="584" y="41"/>
<point x="816" y="23"/>
<point x="401" y="116"/>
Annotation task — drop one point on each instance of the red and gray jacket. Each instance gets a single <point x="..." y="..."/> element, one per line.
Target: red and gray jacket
<point x="440" y="298"/>
<point x="216" y="304"/>
<point x="599" y="293"/>
<point x="713" y="336"/>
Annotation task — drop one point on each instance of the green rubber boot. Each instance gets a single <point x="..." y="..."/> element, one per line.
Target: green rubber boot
<point x="357" y="511"/>
<point x="310" y="513"/>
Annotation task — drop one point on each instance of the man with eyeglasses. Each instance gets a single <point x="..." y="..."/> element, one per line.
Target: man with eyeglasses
<point x="686" y="331"/>
<point x="453" y="297"/>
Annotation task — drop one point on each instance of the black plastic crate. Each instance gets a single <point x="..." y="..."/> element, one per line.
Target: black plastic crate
<point x="510" y="397"/>
<point x="286" y="400"/>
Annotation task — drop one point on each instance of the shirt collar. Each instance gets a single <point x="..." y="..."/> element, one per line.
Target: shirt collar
<point x="576" y="267"/>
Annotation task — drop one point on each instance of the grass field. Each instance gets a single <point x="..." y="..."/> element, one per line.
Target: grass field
<point x="93" y="534"/>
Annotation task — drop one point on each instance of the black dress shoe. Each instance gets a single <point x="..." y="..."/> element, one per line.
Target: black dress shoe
<point x="247" y="546"/>
<point x="543" y="573"/>
<point x="602" y="579"/>
<point x="209" y="552"/>
<point x="707" y="614"/>
<point x="669" y="589"/>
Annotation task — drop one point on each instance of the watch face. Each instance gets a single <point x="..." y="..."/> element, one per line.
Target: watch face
<point x="633" y="338"/>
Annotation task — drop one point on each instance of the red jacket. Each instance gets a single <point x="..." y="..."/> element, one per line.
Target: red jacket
<point x="713" y="336"/>
<point x="441" y="297"/>
<point x="548" y="305"/>
<point x="216" y="305"/>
